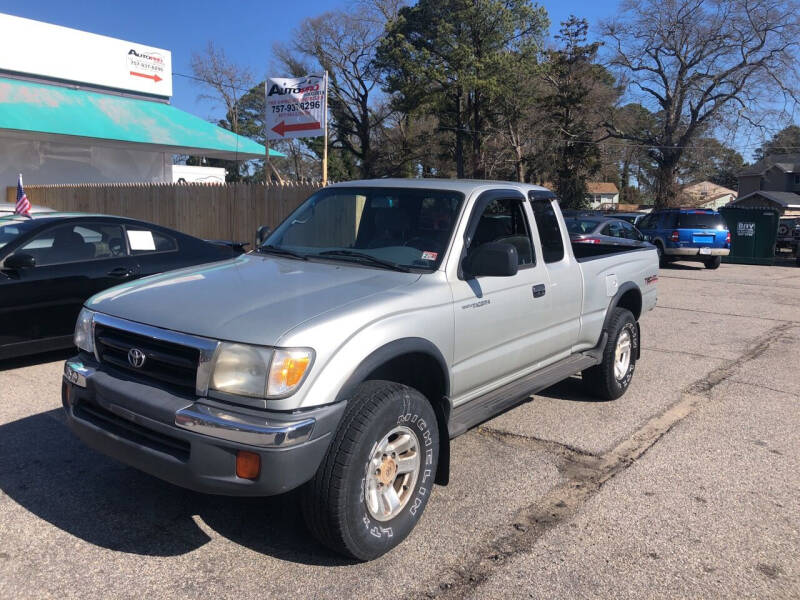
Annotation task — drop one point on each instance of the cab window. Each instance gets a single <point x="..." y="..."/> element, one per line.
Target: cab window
<point x="503" y="220"/>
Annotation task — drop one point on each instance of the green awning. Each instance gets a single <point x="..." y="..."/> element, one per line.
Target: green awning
<point x="50" y="110"/>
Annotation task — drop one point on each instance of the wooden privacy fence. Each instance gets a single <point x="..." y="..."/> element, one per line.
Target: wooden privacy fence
<point x="231" y="211"/>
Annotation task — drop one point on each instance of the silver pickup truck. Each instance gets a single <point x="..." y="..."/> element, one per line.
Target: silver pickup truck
<point x="378" y="321"/>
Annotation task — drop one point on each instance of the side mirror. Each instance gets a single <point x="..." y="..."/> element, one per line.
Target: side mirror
<point x="19" y="261"/>
<point x="494" y="259"/>
<point x="262" y="233"/>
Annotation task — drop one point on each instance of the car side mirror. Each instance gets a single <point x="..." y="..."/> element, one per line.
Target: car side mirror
<point x="261" y="234"/>
<point x="19" y="261"/>
<point x="493" y="259"/>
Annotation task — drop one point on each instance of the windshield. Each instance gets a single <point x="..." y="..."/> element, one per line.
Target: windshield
<point x="701" y="220"/>
<point x="11" y="228"/>
<point x="406" y="227"/>
<point x="581" y="225"/>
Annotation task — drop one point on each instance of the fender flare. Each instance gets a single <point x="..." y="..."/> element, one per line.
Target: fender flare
<point x="623" y="289"/>
<point x="386" y="353"/>
<point x="441" y="406"/>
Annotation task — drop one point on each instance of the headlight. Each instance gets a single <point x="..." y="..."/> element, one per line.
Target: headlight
<point x="259" y="372"/>
<point x="84" y="339"/>
<point x="241" y="369"/>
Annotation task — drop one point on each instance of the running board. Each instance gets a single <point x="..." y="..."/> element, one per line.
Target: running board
<point x="485" y="407"/>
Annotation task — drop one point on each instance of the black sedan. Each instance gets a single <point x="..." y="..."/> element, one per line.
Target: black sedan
<point x="52" y="263"/>
<point x="600" y="230"/>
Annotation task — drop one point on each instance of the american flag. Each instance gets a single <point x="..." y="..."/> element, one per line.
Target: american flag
<point x="23" y="206"/>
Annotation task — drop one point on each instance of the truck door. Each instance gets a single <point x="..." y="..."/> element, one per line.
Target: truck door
<point x="499" y="321"/>
<point x="563" y="274"/>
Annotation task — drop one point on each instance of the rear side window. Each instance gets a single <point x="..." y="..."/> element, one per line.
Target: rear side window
<point x="629" y="231"/>
<point x="701" y="221"/>
<point x="549" y="230"/>
<point x="614" y="229"/>
<point x="669" y="220"/>
<point x="146" y="241"/>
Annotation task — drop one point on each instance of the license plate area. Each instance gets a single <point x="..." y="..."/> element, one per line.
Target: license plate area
<point x="705" y="250"/>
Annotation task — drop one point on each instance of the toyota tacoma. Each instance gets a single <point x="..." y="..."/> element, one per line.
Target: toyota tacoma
<point x="377" y="322"/>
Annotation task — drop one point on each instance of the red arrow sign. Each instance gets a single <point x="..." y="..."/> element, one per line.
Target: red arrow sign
<point x="281" y="128"/>
<point x="155" y="78"/>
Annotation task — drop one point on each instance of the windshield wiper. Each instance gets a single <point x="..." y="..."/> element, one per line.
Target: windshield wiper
<point x="363" y="256"/>
<point x="282" y="252"/>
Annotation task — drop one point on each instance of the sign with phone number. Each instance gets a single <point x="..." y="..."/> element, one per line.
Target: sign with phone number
<point x="296" y="107"/>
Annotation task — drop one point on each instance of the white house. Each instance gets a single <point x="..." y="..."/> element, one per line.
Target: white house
<point x="602" y="194"/>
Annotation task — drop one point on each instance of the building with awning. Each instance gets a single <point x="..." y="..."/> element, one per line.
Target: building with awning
<point x="109" y="121"/>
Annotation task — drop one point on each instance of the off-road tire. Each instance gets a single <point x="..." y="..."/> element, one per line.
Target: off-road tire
<point x="713" y="263"/>
<point x="600" y="380"/>
<point x="333" y="502"/>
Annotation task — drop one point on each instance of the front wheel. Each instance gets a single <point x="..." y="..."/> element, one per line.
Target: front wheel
<point x="610" y="379"/>
<point x="377" y="476"/>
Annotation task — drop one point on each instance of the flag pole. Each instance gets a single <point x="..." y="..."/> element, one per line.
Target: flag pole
<point x="325" y="143"/>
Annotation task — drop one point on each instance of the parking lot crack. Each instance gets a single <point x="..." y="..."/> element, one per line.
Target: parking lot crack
<point x="712" y="312"/>
<point x="586" y="477"/>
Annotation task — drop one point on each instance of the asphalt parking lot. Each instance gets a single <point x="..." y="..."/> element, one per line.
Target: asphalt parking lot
<point x="688" y="486"/>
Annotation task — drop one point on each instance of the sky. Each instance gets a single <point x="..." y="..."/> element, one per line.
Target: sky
<point x="245" y="29"/>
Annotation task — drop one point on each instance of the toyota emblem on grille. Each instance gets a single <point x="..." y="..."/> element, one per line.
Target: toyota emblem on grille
<point x="136" y="358"/>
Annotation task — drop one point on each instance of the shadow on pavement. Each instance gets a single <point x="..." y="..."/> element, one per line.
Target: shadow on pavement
<point x="681" y="266"/>
<point x="36" y="359"/>
<point x="50" y="473"/>
<point x="570" y="389"/>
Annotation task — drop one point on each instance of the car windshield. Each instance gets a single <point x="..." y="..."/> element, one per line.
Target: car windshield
<point x="404" y="228"/>
<point x="13" y="227"/>
<point x="701" y="220"/>
<point x="581" y="225"/>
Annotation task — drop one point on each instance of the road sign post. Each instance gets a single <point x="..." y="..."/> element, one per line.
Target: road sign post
<point x="298" y="108"/>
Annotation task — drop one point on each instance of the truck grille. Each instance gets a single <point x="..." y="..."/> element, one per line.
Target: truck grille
<point x="166" y="362"/>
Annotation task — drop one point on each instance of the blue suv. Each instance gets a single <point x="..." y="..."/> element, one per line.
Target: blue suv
<point x="695" y="234"/>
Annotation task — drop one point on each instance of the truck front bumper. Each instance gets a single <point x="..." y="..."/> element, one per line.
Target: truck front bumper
<point x="193" y="442"/>
<point x="695" y="252"/>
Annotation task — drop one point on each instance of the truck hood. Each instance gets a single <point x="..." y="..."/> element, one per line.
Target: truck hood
<point x="253" y="298"/>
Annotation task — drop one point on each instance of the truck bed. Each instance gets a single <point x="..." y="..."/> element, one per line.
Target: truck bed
<point x="584" y="252"/>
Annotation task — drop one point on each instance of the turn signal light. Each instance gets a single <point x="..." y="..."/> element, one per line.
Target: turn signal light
<point x="248" y="464"/>
<point x="287" y="370"/>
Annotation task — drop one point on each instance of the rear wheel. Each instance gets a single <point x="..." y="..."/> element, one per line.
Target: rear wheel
<point x="610" y="379"/>
<point x="662" y="259"/>
<point x="713" y="263"/>
<point x="375" y="481"/>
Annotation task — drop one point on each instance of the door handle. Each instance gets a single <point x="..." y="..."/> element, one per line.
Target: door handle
<point x="539" y="290"/>
<point x="120" y="273"/>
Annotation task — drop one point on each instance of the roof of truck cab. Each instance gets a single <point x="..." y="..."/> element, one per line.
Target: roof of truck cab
<point x="464" y="186"/>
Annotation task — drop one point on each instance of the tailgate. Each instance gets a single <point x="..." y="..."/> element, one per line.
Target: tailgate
<point x="703" y="238"/>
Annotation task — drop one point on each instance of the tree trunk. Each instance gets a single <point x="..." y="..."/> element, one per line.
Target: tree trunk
<point x="665" y="179"/>
<point x="459" y="138"/>
<point x="477" y="166"/>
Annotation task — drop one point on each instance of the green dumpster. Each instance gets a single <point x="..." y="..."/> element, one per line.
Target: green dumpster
<point x="753" y="234"/>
